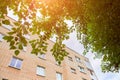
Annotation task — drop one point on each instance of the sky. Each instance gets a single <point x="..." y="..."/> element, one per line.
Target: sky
<point x="74" y="44"/>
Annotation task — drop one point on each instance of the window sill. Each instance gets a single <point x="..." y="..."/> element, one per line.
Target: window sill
<point x="79" y="62"/>
<point x="42" y="58"/>
<point x="14" y="67"/>
<point x="71" y="60"/>
<point x="40" y="75"/>
<point x="83" y="72"/>
<point x="73" y="72"/>
<point x="6" y="28"/>
<point x="4" y="79"/>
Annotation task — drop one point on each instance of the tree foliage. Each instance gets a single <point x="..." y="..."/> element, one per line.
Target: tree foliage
<point x="102" y="35"/>
<point x="97" y="23"/>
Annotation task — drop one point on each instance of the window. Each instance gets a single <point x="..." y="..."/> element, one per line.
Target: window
<point x="41" y="56"/>
<point x="91" y="72"/>
<point x="70" y="58"/>
<point x="1" y="37"/>
<point x="25" y="48"/>
<point x="58" y="76"/>
<point x="77" y="59"/>
<point x="12" y="16"/>
<point x="57" y="63"/>
<point x="81" y="69"/>
<point x="9" y="27"/>
<point x="16" y="63"/>
<point x="4" y="79"/>
<point x="84" y="79"/>
<point x="73" y="70"/>
<point x="40" y="71"/>
<point x="27" y="36"/>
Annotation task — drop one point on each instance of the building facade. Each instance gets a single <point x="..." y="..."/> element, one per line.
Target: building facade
<point x="27" y="66"/>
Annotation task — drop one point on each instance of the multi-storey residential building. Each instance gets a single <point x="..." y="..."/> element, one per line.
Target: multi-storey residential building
<point x="27" y="66"/>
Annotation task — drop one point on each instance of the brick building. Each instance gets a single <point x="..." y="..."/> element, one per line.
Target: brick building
<point x="27" y="66"/>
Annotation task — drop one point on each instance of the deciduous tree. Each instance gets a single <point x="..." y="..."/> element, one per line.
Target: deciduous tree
<point x="97" y="23"/>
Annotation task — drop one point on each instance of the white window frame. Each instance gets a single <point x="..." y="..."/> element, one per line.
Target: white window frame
<point x="40" y="68"/>
<point x="81" y="69"/>
<point x="27" y="36"/>
<point x="42" y="56"/>
<point x="78" y="59"/>
<point x="56" y="62"/>
<point x="9" y="27"/>
<point x="61" y="77"/>
<point x="1" y="37"/>
<point x="16" y="62"/>
<point x="24" y="48"/>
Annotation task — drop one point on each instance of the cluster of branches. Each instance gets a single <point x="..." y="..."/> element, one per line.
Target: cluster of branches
<point x="97" y="24"/>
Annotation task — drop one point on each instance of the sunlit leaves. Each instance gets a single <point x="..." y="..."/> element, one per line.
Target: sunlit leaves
<point x="38" y="46"/>
<point x="58" y="51"/>
<point x="17" y="52"/>
<point x="7" y="22"/>
<point x="97" y="23"/>
<point x="8" y="38"/>
<point x="102" y="32"/>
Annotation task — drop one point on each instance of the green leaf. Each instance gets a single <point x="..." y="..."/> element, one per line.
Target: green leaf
<point x="17" y="23"/>
<point x="12" y="43"/>
<point x="5" y="37"/>
<point x="8" y="38"/>
<point x="11" y="33"/>
<point x="20" y="46"/>
<point x="7" y="22"/>
<point x="12" y="47"/>
<point x="67" y="37"/>
<point x="17" y="52"/>
<point x="23" y="40"/>
<point x="14" y="29"/>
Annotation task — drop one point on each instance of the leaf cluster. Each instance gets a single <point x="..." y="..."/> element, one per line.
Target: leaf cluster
<point x="97" y="23"/>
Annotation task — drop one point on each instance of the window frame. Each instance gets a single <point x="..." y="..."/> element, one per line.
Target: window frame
<point x="57" y="76"/>
<point x="16" y="62"/>
<point x="27" y="36"/>
<point x="81" y="69"/>
<point x="4" y="79"/>
<point x="56" y="63"/>
<point x="70" y="58"/>
<point x="84" y="79"/>
<point x="2" y="35"/>
<point x="73" y="70"/>
<point x="24" y="48"/>
<point x="8" y="27"/>
<point x="40" y="67"/>
<point x="41" y="57"/>
<point x="91" y="72"/>
<point x="78" y="59"/>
